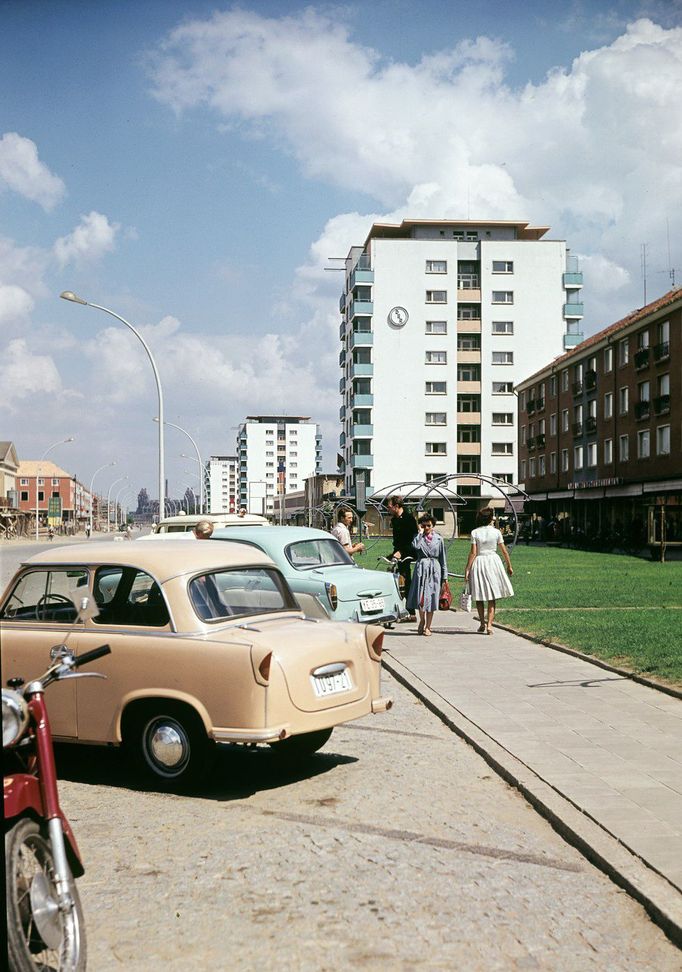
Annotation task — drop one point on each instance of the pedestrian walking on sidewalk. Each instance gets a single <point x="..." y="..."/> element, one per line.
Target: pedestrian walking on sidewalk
<point x="484" y="573"/>
<point x="404" y="527"/>
<point x="430" y="573"/>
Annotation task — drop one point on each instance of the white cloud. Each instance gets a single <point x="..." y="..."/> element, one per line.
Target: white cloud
<point x="24" y="374"/>
<point x="91" y="239"/>
<point x="15" y="303"/>
<point x="22" y="171"/>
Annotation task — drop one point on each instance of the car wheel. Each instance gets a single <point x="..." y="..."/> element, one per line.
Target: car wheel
<point x="301" y="746"/>
<point x="168" y="743"/>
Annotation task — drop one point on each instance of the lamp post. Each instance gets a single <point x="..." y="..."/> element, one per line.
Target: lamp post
<point x="92" y="483"/>
<point x="53" y="446"/>
<point x="196" y="449"/>
<point x="121" y="490"/>
<point x="69" y="295"/>
<point x="119" y="480"/>
<point x="203" y="480"/>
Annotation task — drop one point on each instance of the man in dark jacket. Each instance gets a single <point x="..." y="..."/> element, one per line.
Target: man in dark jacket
<point x="404" y="528"/>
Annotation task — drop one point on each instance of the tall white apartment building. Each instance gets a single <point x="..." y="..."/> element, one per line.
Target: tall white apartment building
<point x="222" y="483"/>
<point x="276" y="454"/>
<point x="440" y="319"/>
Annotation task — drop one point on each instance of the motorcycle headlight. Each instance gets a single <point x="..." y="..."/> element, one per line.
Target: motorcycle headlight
<point x="14" y="717"/>
<point x="332" y="595"/>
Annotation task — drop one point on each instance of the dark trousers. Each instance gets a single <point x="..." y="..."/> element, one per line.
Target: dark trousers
<point x="404" y="571"/>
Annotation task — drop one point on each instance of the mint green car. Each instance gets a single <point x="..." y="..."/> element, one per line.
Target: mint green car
<point x="317" y="566"/>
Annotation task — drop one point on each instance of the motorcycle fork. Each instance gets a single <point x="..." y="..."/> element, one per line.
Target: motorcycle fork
<point x="47" y="778"/>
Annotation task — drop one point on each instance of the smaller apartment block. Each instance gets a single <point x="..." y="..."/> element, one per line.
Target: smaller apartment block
<point x="276" y="454"/>
<point x="600" y="430"/>
<point x="221" y="478"/>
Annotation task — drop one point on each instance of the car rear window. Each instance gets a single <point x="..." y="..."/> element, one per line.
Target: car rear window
<point x="223" y="594"/>
<point x="305" y="554"/>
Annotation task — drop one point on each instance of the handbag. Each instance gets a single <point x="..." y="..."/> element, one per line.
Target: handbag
<point x="445" y="599"/>
<point x="465" y="600"/>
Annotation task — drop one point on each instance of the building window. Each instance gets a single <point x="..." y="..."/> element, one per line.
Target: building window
<point x="503" y="266"/>
<point x="432" y="476"/>
<point x="663" y="440"/>
<point x="24" y="496"/>
<point x="436" y="266"/>
<point x="608" y="451"/>
<point x="624" y="448"/>
<point x="503" y="327"/>
<point x="468" y="403"/>
<point x="436" y="357"/>
<point x="503" y="448"/>
<point x="503" y="296"/>
<point x="663" y="384"/>
<point x="541" y="466"/>
<point x="503" y="387"/>
<point x="436" y="449"/>
<point x="578" y="457"/>
<point x="564" y="460"/>
<point x="436" y="388"/>
<point x="564" y="380"/>
<point x="608" y="359"/>
<point x="643" y="392"/>
<point x="41" y="482"/>
<point x="41" y="496"/>
<point x="664" y="332"/>
<point x="269" y="453"/>
<point x="553" y="384"/>
<point x="269" y="464"/>
<point x="468" y="372"/>
<point x="23" y="482"/>
<point x="624" y="400"/>
<point x="503" y="477"/>
<point x="552" y="462"/>
<point x="468" y="342"/>
<point x="436" y="327"/>
<point x="436" y="418"/>
<point x="591" y="453"/>
<point x="564" y="420"/>
<point x="623" y="352"/>
<point x="552" y="424"/>
<point x="503" y="357"/>
<point x="468" y="433"/>
<point x="436" y="296"/>
<point x="468" y="464"/>
<point x="523" y="469"/>
<point x="608" y="405"/>
<point x="503" y="418"/>
<point x="643" y="444"/>
<point x="532" y="466"/>
<point x="55" y="482"/>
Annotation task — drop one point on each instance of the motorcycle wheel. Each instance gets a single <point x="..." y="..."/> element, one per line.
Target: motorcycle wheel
<point x="39" y="937"/>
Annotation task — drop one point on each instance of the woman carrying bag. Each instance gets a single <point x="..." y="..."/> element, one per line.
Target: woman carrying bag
<point x="430" y="574"/>
<point x="484" y="573"/>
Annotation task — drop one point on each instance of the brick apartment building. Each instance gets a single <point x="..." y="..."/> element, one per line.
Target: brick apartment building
<point x="70" y="499"/>
<point x="600" y="430"/>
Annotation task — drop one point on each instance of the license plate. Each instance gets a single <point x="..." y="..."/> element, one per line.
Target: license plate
<point x="372" y="604"/>
<point x="331" y="684"/>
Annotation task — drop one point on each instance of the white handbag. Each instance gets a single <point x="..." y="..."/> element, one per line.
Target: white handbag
<point x="465" y="600"/>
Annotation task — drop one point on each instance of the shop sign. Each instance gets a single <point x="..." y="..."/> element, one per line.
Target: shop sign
<point x="596" y="483"/>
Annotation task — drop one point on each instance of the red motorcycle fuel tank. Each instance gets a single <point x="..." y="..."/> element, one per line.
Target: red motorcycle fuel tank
<point x="22" y="797"/>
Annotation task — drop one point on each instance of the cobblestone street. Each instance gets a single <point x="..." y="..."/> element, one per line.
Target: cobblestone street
<point x="395" y="848"/>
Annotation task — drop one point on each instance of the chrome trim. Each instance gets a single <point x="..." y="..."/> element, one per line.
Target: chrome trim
<point x="382" y="704"/>
<point x="251" y="735"/>
<point x="334" y="669"/>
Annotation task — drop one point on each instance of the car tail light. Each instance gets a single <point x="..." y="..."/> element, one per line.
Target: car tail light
<point x="375" y="641"/>
<point x="261" y="662"/>
<point x="332" y="596"/>
<point x="264" y="667"/>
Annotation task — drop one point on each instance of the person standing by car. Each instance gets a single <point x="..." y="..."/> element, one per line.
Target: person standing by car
<point x="342" y="532"/>
<point x="430" y="573"/>
<point x="483" y="573"/>
<point x="404" y="527"/>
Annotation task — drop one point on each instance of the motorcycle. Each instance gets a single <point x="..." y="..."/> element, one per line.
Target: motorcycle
<point x="45" y="928"/>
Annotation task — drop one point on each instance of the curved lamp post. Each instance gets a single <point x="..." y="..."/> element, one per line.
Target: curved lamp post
<point x="92" y="483"/>
<point x="47" y="507"/>
<point x="126" y="486"/>
<point x="119" y="480"/>
<point x="172" y="425"/>
<point x="69" y="295"/>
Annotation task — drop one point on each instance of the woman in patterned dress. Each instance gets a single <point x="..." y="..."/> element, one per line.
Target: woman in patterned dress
<point x="484" y="573"/>
<point x="430" y="573"/>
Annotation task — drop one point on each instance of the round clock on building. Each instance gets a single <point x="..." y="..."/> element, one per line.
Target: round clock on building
<point x="398" y="317"/>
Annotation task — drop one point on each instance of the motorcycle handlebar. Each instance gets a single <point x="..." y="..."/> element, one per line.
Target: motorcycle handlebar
<point x="89" y="656"/>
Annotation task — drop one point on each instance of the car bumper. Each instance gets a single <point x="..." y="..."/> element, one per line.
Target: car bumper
<point x="271" y="734"/>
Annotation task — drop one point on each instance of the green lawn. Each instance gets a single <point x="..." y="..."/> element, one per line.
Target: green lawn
<point x="621" y="609"/>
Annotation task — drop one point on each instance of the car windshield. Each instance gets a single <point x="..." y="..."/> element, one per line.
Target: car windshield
<point x="305" y="554"/>
<point x="223" y="594"/>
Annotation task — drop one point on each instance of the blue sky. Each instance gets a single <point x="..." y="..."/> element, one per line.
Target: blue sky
<point x="193" y="165"/>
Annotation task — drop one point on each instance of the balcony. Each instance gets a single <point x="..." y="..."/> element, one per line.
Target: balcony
<point x="590" y="380"/>
<point x="530" y="407"/>
<point x="573" y="310"/>
<point x="342" y="413"/>
<point x="573" y="281"/>
<point x="361" y="370"/>
<point x="342" y="303"/>
<point x="590" y="424"/>
<point x="530" y="443"/>
<point x="540" y="440"/>
<point x="360" y="307"/>
<point x="361" y="339"/>
<point x="342" y="331"/>
<point x="362" y="462"/>
<point x="342" y="385"/>
<point x="572" y="340"/>
<point x="469" y="325"/>
<point x="662" y="404"/>
<point x="342" y="439"/>
<point x="577" y="428"/>
<point x="468" y="281"/>
<point x="469" y="355"/>
<point x="361" y="275"/>
<point x="641" y="359"/>
<point x="362" y="401"/>
<point x="362" y="431"/>
<point x="577" y="387"/>
<point x="642" y="410"/>
<point x="662" y="351"/>
<point x="342" y="358"/>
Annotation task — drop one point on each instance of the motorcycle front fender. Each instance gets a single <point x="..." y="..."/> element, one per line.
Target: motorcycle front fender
<point x="22" y="798"/>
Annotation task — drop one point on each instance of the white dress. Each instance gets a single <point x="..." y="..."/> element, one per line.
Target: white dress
<point x="488" y="579"/>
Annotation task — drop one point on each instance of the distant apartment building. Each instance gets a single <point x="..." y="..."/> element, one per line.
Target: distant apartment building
<point x="222" y="483"/>
<point x="276" y="454"/>
<point x="62" y="499"/>
<point x="600" y="428"/>
<point x="439" y="320"/>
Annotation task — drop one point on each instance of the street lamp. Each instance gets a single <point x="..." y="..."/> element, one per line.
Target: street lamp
<point x="53" y="446"/>
<point x="119" y="480"/>
<point x="92" y="483"/>
<point x="121" y="490"/>
<point x="196" y="449"/>
<point x="69" y="295"/>
<point x="202" y="477"/>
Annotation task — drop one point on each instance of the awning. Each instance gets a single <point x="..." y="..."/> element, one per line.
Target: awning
<point x="662" y="487"/>
<point x="561" y="494"/>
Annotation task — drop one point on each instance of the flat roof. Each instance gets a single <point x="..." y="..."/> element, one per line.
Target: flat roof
<point x="397" y="230"/>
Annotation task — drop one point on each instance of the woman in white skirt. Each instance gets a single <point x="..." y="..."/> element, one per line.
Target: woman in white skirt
<point x="484" y="573"/>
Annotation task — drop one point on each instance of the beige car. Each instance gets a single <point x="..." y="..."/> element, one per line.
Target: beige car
<point x="208" y="645"/>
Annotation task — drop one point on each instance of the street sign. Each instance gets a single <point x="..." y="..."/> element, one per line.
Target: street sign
<point x="54" y="510"/>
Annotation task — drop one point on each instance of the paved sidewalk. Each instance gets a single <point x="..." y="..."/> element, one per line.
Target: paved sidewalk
<point x="599" y="752"/>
